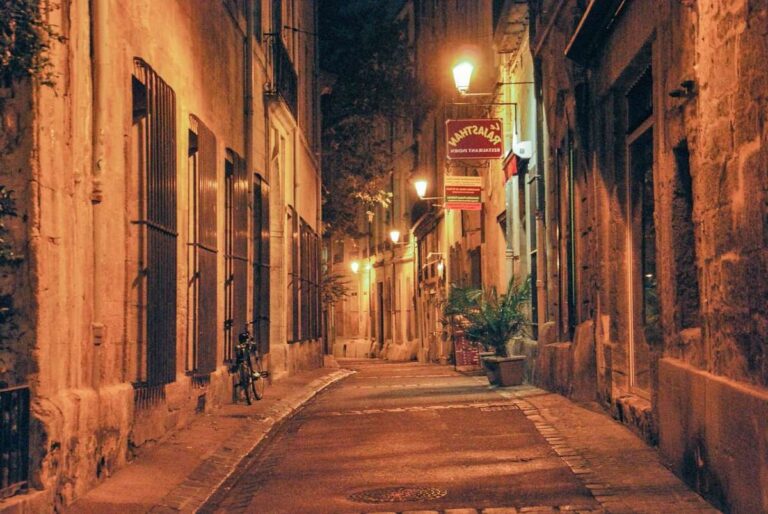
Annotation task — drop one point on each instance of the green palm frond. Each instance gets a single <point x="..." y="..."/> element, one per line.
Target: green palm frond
<point x="495" y="318"/>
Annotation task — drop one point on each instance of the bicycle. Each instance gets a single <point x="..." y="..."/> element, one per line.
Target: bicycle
<point x="250" y="377"/>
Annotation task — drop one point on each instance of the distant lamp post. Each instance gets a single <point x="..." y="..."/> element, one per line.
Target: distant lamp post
<point x="355" y="266"/>
<point x="394" y="235"/>
<point x="440" y="267"/>
<point x="421" y="187"/>
<point x="462" y="74"/>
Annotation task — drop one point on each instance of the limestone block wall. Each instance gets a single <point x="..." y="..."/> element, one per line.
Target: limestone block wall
<point x="731" y="187"/>
<point x="712" y="390"/>
<point x="69" y="154"/>
<point x="708" y="371"/>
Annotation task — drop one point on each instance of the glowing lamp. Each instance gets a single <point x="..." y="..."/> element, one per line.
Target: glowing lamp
<point x="394" y="235"/>
<point x="462" y="73"/>
<point x="355" y="266"/>
<point x="421" y="187"/>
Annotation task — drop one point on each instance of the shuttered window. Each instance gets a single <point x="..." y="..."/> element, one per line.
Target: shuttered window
<point x="202" y="249"/>
<point x="236" y="250"/>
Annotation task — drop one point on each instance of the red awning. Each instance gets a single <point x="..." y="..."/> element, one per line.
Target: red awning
<point x="513" y="164"/>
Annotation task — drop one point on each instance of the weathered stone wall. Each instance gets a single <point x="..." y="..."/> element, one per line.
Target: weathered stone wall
<point x="69" y="153"/>
<point x="711" y="219"/>
<point x="82" y="395"/>
<point x="712" y="393"/>
<point x="730" y="186"/>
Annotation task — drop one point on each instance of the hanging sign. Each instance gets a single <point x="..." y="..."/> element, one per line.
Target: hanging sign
<point x="463" y="193"/>
<point x="474" y="139"/>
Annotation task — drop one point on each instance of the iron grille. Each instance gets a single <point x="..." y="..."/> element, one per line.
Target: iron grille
<point x="284" y="81"/>
<point x="306" y="280"/>
<point x="14" y="440"/>
<point x="261" y="263"/>
<point x="156" y="109"/>
<point x="204" y="242"/>
<point x="236" y="285"/>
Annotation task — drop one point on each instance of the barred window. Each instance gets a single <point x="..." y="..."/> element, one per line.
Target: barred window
<point x="154" y="138"/>
<point x="305" y="281"/>
<point x="236" y="250"/>
<point x="202" y="249"/>
<point x="261" y="263"/>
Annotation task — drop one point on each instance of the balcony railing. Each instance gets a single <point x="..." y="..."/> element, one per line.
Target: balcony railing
<point x="285" y="81"/>
<point x="14" y="440"/>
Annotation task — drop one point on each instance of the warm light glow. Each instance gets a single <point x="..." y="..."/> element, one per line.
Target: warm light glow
<point x="368" y="266"/>
<point x="355" y="266"/>
<point x="394" y="235"/>
<point x="440" y="267"/>
<point x="462" y="73"/>
<point x="421" y="187"/>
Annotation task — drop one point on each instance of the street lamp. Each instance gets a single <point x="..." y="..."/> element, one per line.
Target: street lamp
<point x="355" y="266"/>
<point x="394" y="235"/>
<point x="462" y="74"/>
<point x="421" y="190"/>
<point x="421" y="187"/>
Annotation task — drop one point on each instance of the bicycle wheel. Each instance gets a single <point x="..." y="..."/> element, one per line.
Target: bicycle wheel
<point x="259" y="380"/>
<point x="246" y="381"/>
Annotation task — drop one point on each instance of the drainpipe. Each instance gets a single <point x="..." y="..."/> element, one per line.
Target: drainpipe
<point x="248" y="118"/>
<point x="541" y="235"/>
<point x="248" y="93"/>
<point x="99" y="66"/>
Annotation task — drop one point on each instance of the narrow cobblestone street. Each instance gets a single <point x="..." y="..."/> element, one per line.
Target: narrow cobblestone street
<point x="416" y="438"/>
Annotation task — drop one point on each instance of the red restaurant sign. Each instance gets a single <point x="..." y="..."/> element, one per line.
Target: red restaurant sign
<point x="474" y="139"/>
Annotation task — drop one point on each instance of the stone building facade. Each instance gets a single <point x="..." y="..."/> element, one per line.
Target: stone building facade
<point x="655" y="166"/>
<point x="168" y="192"/>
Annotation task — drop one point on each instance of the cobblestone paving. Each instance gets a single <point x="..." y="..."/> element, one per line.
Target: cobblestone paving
<point x="623" y="473"/>
<point x="619" y="471"/>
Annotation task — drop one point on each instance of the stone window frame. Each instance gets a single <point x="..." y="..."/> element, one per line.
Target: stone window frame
<point x="634" y="130"/>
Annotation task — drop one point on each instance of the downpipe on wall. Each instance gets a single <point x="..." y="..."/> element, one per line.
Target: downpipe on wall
<point x="99" y="65"/>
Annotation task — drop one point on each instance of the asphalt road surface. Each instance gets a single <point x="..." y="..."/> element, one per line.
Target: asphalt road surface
<point x="403" y="437"/>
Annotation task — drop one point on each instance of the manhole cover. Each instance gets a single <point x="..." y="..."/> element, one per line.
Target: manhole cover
<point x="398" y="494"/>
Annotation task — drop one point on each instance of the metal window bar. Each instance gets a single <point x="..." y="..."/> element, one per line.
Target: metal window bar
<point x="14" y="440"/>
<point x="261" y="263"/>
<point x="205" y="248"/>
<point x="308" y="280"/>
<point x="284" y="78"/>
<point x="159" y="226"/>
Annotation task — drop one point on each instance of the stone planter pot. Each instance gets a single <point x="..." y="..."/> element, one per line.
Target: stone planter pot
<point x="505" y="371"/>
<point x="486" y="367"/>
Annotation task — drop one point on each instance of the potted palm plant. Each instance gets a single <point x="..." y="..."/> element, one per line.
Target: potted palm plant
<point x="493" y="320"/>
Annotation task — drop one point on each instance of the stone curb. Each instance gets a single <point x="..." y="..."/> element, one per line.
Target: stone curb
<point x="213" y="472"/>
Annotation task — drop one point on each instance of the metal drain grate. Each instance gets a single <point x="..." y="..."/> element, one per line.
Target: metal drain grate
<point x="398" y="494"/>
